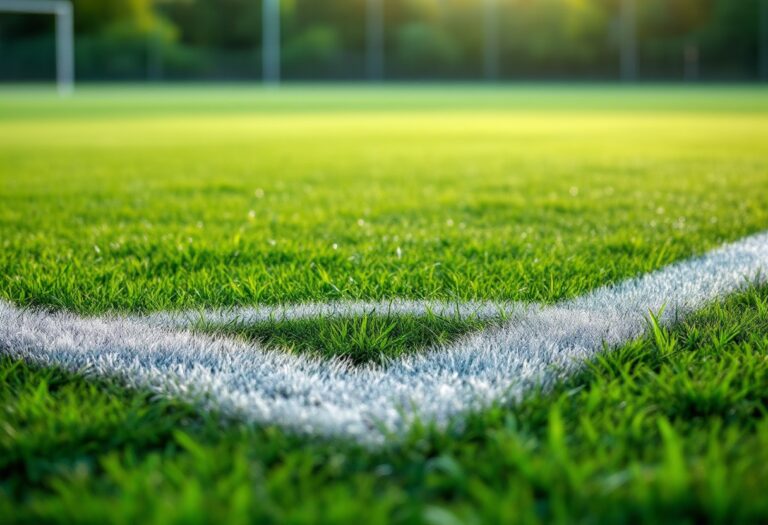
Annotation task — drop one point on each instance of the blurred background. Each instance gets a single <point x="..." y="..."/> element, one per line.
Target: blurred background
<point x="400" y="40"/>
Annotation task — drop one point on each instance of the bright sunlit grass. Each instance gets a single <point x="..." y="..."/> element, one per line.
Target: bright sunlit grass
<point x="114" y="202"/>
<point x="171" y="198"/>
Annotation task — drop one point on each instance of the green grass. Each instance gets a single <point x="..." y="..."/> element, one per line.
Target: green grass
<point x="364" y="339"/>
<point x="151" y="208"/>
<point x="665" y="429"/>
<point x="140" y="200"/>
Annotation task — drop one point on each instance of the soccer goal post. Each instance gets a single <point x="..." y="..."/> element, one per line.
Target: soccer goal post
<point x="270" y="42"/>
<point x="65" y="40"/>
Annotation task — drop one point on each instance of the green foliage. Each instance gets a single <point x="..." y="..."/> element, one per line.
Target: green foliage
<point x="318" y="46"/>
<point x="419" y="44"/>
<point x="424" y="38"/>
<point x="94" y="16"/>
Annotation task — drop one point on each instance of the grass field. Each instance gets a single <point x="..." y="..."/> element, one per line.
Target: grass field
<point x="139" y="200"/>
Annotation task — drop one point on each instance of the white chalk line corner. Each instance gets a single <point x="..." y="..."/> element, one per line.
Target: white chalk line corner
<point x="536" y="345"/>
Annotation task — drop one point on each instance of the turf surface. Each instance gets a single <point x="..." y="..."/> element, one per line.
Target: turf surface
<point x="151" y="208"/>
<point x="667" y="429"/>
<point x="141" y="200"/>
<point x="363" y="339"/>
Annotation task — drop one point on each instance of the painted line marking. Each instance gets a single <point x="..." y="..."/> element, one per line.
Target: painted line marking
<point x="538" y="345"/>
<point x="481" y="310"/>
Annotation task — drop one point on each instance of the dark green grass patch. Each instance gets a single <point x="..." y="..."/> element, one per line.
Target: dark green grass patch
<point x="364" y="339"/>
<point x="671" y="428"/>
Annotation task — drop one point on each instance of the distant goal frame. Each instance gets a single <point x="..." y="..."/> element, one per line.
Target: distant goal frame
<point x="65" y="38"/>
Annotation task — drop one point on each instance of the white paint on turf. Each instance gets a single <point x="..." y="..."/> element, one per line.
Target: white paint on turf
<point x="485" y="310"/>
<point x="537" y="345"/>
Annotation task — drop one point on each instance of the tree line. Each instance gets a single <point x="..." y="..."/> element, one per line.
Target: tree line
<point x="422" y="39"/>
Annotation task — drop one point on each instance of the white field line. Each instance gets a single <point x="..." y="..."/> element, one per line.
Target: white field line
<point x="537" y="346"/>
<point x="486" y="310"/>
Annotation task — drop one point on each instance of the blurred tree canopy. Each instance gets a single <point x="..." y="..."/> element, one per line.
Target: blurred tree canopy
<point x="213" y="39"/>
